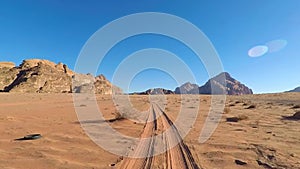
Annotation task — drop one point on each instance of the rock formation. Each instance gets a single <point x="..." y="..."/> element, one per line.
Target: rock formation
<point x="43" y="76"/>
<point x="224" y="84"/>
<point x="39" y="76"/>
<point x="187" y="88"/>
<point x="155" y="91"/>
<point x="7" y="65"/>
<point x="7" y="74"/>
<point x="297" y="89"/>
<point x="103" y="86"/>
<point x="83" y="83"/>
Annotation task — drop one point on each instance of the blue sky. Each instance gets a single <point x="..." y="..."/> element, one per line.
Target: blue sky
<point x="57" y="30"/>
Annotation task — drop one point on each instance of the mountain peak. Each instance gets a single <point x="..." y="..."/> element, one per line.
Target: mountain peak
<point x="223" y="83"/>
<point x="187" y="88"/>
<point x="297" y="89"/>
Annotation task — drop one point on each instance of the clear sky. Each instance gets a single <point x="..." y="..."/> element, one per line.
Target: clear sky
<point x="57" y="30"/>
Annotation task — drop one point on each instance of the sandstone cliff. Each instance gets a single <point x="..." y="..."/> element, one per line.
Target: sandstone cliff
<point x="43" y="76"/>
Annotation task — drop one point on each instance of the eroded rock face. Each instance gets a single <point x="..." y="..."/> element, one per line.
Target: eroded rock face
<point x="83" y="83"/>
<point x="103" y="86"/>
<point x="224" y="84"/>
<point x="7" y="76"/>
<point x="187" y="88"/>
<point x="43" y="76"/>
<point x="40" y="78"/>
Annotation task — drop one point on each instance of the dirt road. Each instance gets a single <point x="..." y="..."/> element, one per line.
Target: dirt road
<point x="177" y="154"/>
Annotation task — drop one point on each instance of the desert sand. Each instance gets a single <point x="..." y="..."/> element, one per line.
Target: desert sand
<point x="261" y="138"/>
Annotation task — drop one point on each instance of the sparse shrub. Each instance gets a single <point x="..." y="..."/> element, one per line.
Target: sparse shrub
<point x="237" y="102"/>
<point x="231" y="105"/>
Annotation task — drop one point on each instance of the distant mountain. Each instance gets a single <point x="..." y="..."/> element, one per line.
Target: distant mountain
<point x="43" y="76"/>
<point x="295" y="90"/>
<point x="155" y="91"/>
<point x="220" y="84"/>
<point x="187" y="88"/>
<point x="224" y="84"/>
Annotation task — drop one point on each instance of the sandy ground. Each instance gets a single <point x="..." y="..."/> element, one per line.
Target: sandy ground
<point x="262" y="138"/>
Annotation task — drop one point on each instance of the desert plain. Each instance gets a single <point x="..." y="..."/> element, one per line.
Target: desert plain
<point x="255" y="131"/>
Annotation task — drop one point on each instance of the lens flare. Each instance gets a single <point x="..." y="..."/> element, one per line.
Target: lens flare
<point x="276" y="45"/>
<point x="257" y="51"/>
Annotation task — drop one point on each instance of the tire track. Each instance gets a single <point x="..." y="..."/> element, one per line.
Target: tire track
<point x="177" y="157"/>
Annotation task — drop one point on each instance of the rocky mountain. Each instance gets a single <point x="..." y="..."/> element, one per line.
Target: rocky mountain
<point x="187" y="88"/>
<point x="43" y="76"/>
<point x="220" y="84"/>
<point x="7" y="74"/>
<point x="297" y="89"/>
<point x="7" y="65"/>
<point x="40" y="77"/>
<point x="224" y="84"/>
<point x="155" y="91"/>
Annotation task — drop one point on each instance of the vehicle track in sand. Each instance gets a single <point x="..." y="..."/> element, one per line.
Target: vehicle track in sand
<point x="176" y="157"/>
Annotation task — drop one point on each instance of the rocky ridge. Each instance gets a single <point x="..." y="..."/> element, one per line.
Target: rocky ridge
<point x="297" y="89"/>
<point x="43" y="76"/>
<point x="220" y="84"/>
<point x="155" y="91"/>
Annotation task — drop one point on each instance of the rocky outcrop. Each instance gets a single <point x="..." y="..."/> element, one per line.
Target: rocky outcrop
<point x="83" y="83"/>
<point x="155" y="91"/>
<point x="26" y="64"/>
<point x="43" y="76"/>
<point x="7" y="76"/>
<point x="103" y="86"/>
<point x="224" y="84"/>
<point x="295" y="90"/>
<point x="39" y="77"/>
<point x="187" y="88"/>
<point x="7" y="65"/>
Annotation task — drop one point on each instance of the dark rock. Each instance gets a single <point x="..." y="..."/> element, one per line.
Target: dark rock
<point x="251" y="107"/>
<point x="232" y="119"/>
<point x="239" y="162"/>
<point x="296" y="116"/>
